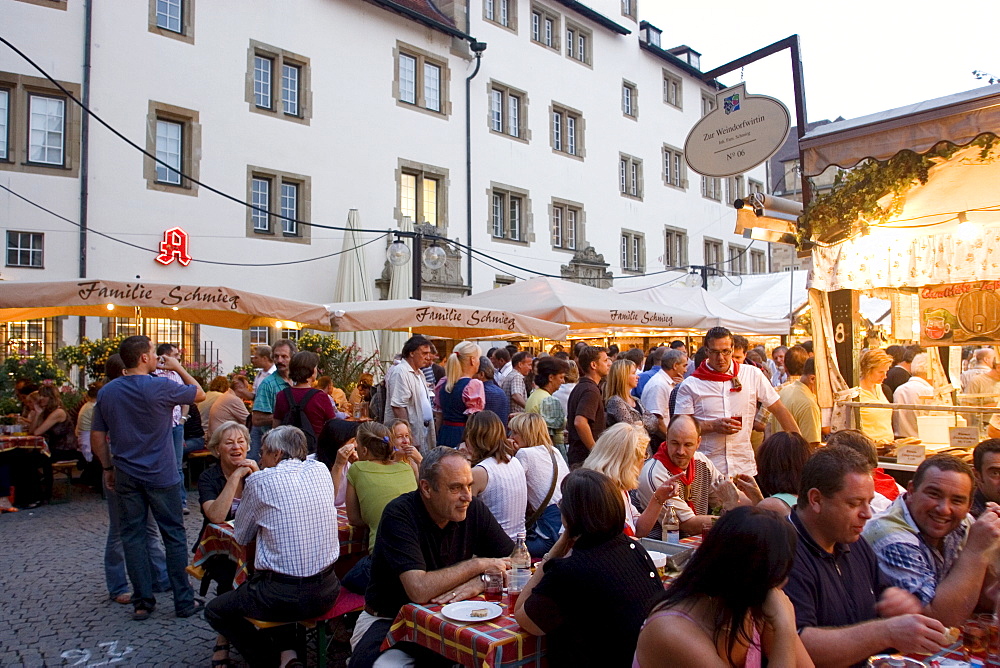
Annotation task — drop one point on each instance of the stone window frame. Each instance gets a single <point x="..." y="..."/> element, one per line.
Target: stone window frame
<point x="626" y="164"/>
<point x="738" y="261"/>
<point x="717" y="245"/>
<point x="190" y="147"/>
<point x="507" y="92"/>
<point x="279" y="58"/>
<point x="52" y="4"/>
<point x="566" y="206"/>
<point x="31" y="251"/>
<point x="573" y="51"/>
<point x="674" y="171"/>
<point x="527" y="221"/>
<point x="20" y="89"/>
<point x="632" y="251"/>
<point x="675" y="242"/>
<point x="303" y="234"/>
<point x="543" y="13"/>
<point x="755" y="186"/>
<point x="630" y="10"/>
<point x="758" y="257"/>
<point x="422" y="56"/>
<point x="579" y="125"/>
<point x="740" y="188"/>
<point x="511" y="24"/>
<point x="671" y="78"/>
<point x="423" y="170"/>
<point x="500" y="280"/>
<point x="711" y="188"/>
<point x="187" y="23"/>
<point x="633" y="105"/>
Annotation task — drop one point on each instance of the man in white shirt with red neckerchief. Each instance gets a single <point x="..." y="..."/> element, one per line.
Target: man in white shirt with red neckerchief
<point x="722" y="395"/>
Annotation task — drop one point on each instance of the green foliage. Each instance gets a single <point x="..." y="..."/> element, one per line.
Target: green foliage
<point x="36" y="368"/>
<point x="248" y="370"/>
<point x="853" y="203"/>
<point x="91" y="355"/>
<point x="343" y="365"/>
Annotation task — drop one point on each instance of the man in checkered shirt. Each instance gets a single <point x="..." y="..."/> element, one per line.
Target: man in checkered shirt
<point x="288" y="509"/>
<point x="928" y="544"/>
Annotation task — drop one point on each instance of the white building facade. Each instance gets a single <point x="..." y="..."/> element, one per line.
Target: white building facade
<point x="310" y="108"/>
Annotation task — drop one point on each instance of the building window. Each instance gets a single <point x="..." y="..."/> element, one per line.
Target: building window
<point x="629" y="8"/>
<point x="544" y="27"/>
<point x="292" y="334"/>
<point x="29" y="337"/>
<point x="675" y="248"/>
<point x="39" y="129"/>
<point x="758" y="262"/>
<point x="509" y="214"/>
<point x="260" y="336"/>
<point x="566" y="132"/>
<point x="633" y="251"/>
<point x="566" y="221"/>
<point x="172" y="18"/>
<point x="674" y="167"/>
<point x="734" y="188"/>
<point x="185" y="335"/>
<point x="423" y="196"/>
<point x="501" y="280"/>
<point x="630" y="99"/>
<point x="673" y="90"/>
<point x="24" y="249"/>
<point x="630" y="176"/>
<point x="578" y="41"/>
<point x="174" y="137"/>
<point x="421" y="79"/>
<point x="46" y="130"/>
<point x="707" y="103"/>
<point x="280" y="200"/>
<point x="754" y="187"/>
<point x="169" y="150"/>
<point x="711" y="188"/>
<point x="4" y="123"/>
<point x="508" y="110"/>
<point x="278" y="83"/>
<point x="737" y="259"/>
<point x="713" y="253"/>
<point x="501" y="12"/>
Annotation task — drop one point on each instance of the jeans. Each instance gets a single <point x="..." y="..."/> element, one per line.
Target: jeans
<point x="256" y="436"/>
<point x="114" y="552"/>
<point x="272" y="597"/>
<point x="545" y="533"/>
<point x="194" y="444"/>
<point x="135" y="502"/>
<point x="178" y="434"/>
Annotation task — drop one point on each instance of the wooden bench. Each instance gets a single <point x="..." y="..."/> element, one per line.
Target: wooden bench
<point x="66" y="469"/>
<point x="347" y="602"/>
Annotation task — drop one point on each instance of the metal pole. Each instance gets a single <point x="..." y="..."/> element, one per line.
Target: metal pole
<point x="416" y="258"/>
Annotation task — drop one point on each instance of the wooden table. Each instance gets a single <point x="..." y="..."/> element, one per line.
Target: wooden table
<point x="220" y="539"/>
<point x="499" y="642"/>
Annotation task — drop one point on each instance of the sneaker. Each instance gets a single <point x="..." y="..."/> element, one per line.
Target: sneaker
<point x="141" y="614"/>
<point x="198" y="606"/>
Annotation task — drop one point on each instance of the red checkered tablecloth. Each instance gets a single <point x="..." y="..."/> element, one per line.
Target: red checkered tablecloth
<point x="493" y="644"/>
<point x="27" y="442"/>
<point x="219" y="539"/>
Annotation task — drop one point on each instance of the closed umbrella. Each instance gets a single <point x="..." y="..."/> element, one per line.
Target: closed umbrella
<point x="353" y="284"/>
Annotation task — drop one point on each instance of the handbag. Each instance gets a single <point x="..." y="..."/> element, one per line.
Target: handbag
<point x="530" y="522"/>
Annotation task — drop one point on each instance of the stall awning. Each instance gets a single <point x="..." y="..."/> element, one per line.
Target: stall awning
<point x="957" y="118"/>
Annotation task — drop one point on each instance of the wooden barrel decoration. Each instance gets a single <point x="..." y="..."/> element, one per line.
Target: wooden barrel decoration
<point x="979" y="312"/>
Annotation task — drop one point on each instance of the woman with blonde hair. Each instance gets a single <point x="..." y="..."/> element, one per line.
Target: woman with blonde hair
<point x="619" y="454"/>
<point x="497" y="477"/>
<point x="876" y="423"/>
<point x="458" y="394"/>
<point x="619" y="404"/>
<point x="544" y="470"/>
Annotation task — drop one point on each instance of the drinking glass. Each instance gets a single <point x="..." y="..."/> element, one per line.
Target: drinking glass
<point x="493" y="579"/>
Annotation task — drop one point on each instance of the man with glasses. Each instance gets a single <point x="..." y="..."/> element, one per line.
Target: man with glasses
<point x="722" y="395"/>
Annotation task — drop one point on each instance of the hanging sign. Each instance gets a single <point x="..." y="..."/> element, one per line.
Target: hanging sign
<point x="174" y="247"/>
<point x="741" y="132"/>
<point x="956" y="313"/>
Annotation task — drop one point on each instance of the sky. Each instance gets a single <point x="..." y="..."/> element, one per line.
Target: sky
<point x="859" y="57"/>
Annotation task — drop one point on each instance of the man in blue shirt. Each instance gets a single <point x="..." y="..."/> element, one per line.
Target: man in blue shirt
<point x="134" y="412"/>
<point x="263" y="401"/>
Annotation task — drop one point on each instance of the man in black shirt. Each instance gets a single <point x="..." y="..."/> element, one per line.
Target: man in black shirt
<point x="843" y="609"/>
<point x="586" y="419"/>
<point x="433" y="546"/>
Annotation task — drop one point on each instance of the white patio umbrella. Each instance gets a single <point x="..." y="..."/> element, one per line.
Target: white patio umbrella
<point x="353" y="284"/>
<point x="400" y="287"/>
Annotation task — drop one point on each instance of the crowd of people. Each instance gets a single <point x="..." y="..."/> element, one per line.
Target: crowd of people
<point x="811" y="554"/>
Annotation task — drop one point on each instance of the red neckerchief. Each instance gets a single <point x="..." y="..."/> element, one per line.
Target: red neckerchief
<point x="705" y="372"/>
<point x="885" y="484"/>
<point x="687" y="477"/>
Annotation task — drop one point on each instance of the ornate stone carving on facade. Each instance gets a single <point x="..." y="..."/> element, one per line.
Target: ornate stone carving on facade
<point x="442" y="284"/>
<point x="588" y="268"/>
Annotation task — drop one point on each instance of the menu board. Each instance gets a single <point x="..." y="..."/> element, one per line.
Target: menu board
<point x="954" y="314"/>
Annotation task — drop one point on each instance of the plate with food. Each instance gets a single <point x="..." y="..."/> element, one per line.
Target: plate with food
<point x="472" y="611"/>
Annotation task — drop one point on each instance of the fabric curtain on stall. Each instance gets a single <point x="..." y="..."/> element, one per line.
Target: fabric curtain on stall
<point x="830" y="385"/>
<point x="353" y="284"/>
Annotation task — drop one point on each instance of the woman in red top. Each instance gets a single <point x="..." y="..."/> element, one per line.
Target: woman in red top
<point x="316" y="408"/>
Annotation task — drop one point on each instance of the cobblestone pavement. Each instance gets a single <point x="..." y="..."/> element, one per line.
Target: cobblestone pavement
<point x="54" y="607"/>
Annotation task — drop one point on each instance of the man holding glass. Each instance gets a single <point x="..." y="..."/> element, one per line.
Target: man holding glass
<point x="722" y="396"/>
